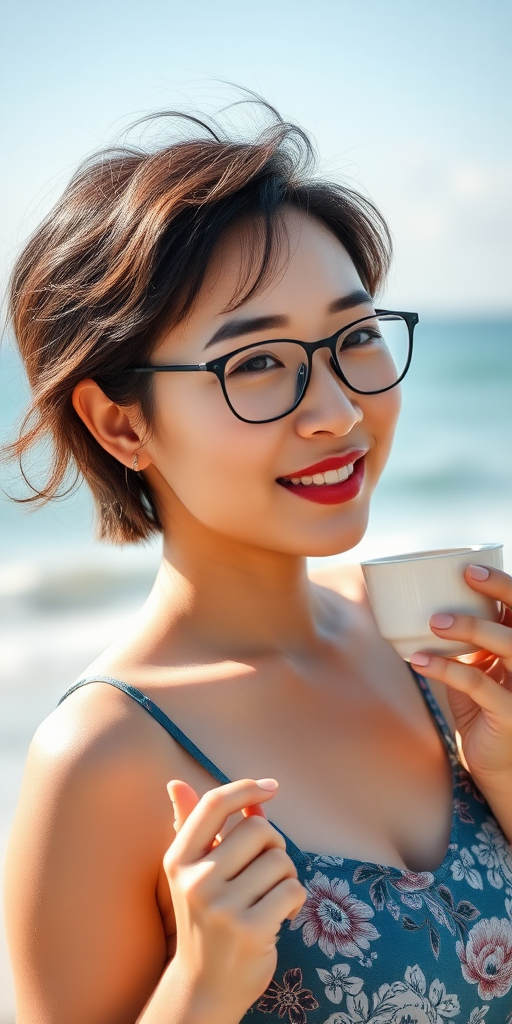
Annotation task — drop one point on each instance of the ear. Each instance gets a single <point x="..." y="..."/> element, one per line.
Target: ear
<point x="109" y="424"/>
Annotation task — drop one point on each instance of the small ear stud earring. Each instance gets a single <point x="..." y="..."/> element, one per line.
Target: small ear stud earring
<point x="135" y="465"/>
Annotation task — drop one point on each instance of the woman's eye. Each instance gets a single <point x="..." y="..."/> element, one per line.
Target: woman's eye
<point x="256" y="364"/>
<point x="365" y="336"/>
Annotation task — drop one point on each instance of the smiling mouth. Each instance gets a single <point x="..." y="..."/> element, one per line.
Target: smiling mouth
<point x="329" y="483"/>
<point x="331" y="476"/>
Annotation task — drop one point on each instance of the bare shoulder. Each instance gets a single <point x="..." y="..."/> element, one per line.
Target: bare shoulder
<point x="346" y="580"/>
<point x="98" y="732"/>
<point x="92" y="825"/>
<point x="99" y="763"/>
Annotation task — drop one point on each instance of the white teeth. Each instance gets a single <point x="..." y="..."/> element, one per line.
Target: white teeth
<point x="332" y="476"/>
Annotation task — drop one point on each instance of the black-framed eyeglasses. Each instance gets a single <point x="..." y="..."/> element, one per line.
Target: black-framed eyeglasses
<point x="267" y="380"/>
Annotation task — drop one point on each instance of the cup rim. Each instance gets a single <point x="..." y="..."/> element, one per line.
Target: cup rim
<point x="418" y="556"/>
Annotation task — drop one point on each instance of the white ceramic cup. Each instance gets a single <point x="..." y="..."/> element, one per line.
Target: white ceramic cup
<point x="405" y="590"/>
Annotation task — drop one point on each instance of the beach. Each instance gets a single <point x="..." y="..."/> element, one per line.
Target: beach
<point x="62" y="596"/>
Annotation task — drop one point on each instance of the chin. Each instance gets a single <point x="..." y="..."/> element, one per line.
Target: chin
<point x="334" y="539"/>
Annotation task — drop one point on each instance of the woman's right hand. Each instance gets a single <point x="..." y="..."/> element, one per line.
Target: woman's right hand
<point x="229" y="897"/>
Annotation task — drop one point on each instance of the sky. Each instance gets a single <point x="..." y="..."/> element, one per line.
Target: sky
<point x="407" y="100"/>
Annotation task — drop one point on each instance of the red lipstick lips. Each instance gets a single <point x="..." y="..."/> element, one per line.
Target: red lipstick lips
<point x="329" y="493"/>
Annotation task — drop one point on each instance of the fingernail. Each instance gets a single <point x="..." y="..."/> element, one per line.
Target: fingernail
<point x="419" y="659"/>
<point x="441" y="621"/>
<point x="268" y="784"/>
<point x="478" y="572"/>
<point x="170" y="792"/>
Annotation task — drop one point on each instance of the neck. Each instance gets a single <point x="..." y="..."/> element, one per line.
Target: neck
<point x="231" y="598"/>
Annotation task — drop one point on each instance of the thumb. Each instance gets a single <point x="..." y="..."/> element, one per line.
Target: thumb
<point x="184" y="799"/>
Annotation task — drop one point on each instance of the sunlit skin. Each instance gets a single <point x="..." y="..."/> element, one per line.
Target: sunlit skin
<point x="271" y="673"/>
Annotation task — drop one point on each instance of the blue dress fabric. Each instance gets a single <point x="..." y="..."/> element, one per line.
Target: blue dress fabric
<point x="379" y="945"/>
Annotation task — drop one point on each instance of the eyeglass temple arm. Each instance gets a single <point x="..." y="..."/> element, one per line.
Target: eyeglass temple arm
<point x="168" y="369"/>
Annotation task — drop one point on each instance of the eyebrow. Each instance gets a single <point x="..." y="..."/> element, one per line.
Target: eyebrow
<point x="250" y="325"/>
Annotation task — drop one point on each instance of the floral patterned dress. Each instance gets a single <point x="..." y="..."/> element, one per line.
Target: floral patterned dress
<point x="377" y="945"/>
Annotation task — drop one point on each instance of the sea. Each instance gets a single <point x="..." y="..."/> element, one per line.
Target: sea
<point x="63" y="595"/>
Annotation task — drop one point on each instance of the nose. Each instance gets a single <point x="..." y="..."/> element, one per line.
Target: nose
<point x="328" y="406"/>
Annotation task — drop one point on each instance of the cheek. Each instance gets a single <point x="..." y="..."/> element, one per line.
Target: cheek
<point x="220" y="468"/>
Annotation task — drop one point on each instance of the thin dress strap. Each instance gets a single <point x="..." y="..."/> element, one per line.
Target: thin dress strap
<point x="177" y="734"/>
<point x="436" y="712"/>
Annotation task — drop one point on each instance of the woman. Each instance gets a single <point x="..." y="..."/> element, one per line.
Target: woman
<point x="168" y="312"/>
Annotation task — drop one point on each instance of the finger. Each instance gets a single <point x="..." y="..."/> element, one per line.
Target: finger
<point x="282" y="903"/>
<point x="493" y="582"/>
<point x="260" y="876"/>
<point x="184" y="799"/>
<point x="487" y="635"/>
<point x="468" y="679"/>
<point x="210" y="814"/>
<point x="246" y="841"/>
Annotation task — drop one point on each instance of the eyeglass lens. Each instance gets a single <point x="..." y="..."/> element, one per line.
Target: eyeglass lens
<point x="267" y="380"/>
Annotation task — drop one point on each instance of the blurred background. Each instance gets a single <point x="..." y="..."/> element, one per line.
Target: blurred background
<point x="409" y="102"/>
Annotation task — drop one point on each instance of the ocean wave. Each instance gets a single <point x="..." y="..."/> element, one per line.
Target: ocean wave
<point x="48" y="589"/>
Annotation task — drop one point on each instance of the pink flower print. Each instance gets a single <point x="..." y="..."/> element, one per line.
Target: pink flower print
<point x="461" y="808"/>
<point x="412" y="885"/>
<point x="331" y="916"/>
<point x="289" y="998"/>
<point x="486" y="960"/>
<point x="410" y="881"/>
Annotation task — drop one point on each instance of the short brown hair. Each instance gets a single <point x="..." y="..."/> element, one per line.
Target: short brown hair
<point x="123" y="253"/>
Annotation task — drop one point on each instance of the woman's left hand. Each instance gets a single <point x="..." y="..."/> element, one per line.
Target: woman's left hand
<point x="480" y="693"/>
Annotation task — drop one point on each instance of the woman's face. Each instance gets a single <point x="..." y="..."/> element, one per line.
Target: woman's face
<point x="229" y="475"/>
